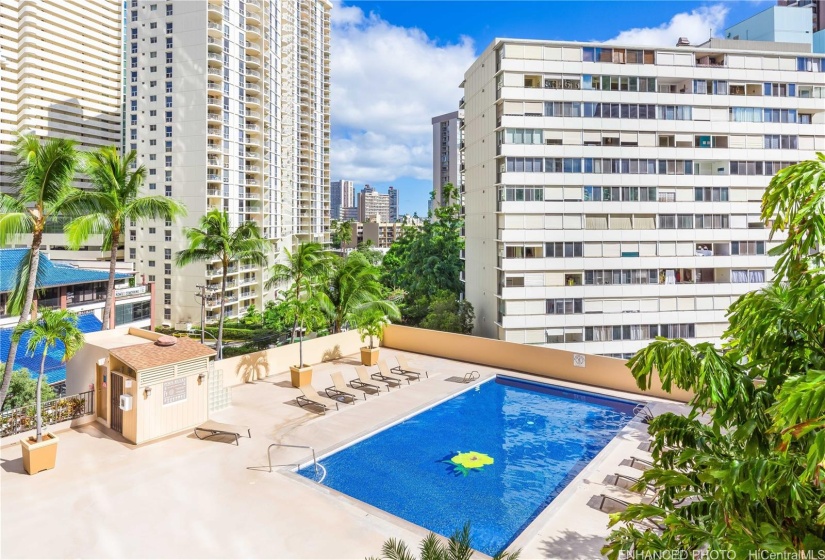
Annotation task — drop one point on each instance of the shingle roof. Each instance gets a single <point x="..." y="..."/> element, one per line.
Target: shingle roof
<point x="49" y="274"/>
<point x="150" y="355"/>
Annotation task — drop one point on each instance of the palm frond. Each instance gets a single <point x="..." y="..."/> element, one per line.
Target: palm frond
<point x="80" y="229"/>
<point x="14" y="225"/>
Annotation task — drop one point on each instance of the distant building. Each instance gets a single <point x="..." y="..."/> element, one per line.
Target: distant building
<point x="381" y="234"/>
<point x="392" y="192"/>
<point x="447" y="164"/>
<point x="817" y="8"/>
<point x="373" y="206"/>
<point x="342" y="195"/>
<point x="781" y="24"/>
<point x="349" y="213"/>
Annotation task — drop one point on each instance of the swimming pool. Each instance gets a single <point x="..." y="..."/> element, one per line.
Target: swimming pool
<point x="495" y="456"/>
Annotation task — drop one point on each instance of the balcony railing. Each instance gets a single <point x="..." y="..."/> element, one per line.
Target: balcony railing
<point x="19" y="420"/>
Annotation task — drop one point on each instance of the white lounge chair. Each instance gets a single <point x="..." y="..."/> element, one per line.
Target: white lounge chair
<point x="384" y="374"/>
<point x="339" y="389"/>
<point x="309" y="396"/>
<point x="364" y="381"/>
<point x="404" y="368"/>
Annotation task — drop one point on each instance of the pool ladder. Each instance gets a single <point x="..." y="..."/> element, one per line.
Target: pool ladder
<point x="314" y="461"/>
<point x="470" y="376"/>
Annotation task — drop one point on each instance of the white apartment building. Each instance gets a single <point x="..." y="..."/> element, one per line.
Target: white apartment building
<point x="446" y="153"/>
<point x="373" y="205"/>
<point x="613" y="193"/>
<point x="227" y="104"/>
<point x="60" y="76"/>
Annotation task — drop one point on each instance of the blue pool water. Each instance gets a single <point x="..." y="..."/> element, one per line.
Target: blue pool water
<point x="55" y="368"/>
<point x="539" y="437"/>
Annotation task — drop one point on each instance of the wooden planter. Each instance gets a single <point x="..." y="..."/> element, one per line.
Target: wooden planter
<point x="39" y="456"/>
<point x="300" y="376"/>
<point x="369" y="356"/>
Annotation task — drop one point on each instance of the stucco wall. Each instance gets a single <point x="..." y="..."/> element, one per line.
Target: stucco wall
<point x="598" y="371"/>
<point x="246" y="368"/>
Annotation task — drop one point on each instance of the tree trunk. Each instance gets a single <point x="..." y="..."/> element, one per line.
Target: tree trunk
<point x="110" y="288"/>
<point x="301" y="346"/>
<point x="220" y="318"/>
<point x="39" y="397"/>
<point x="34" y="263"/>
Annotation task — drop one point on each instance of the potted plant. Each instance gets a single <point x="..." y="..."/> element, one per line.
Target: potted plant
<point x="371" y="324"/>
<point x="53" y="326"/>
<point x="307" y="312"/>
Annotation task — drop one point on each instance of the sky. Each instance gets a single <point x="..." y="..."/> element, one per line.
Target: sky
<point x="396" y="64"/>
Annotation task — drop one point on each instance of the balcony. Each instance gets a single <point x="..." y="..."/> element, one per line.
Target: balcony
<point x="254" y="74"/>
<point x="212" y="177"/>
<point x="214" y="72"/>
<point x="214" y="29"/>
<point x="253" y="100"/>
<point x="254" y="31"/>
<point x="213" y="130"/>
<point x="214" y="117"/>
<point x="252" y="114"/>
<point x="213" y="87"/>
<point x="252" y="47"/>
<point x="252" y="87"/>
<point x="215" y="45"/>
<point x="214" y="192"/>
<point x="212" y="100"/>
<point x="253" y="60"/>
<point x="214" y="57"/>
<point x="254" y="5"/>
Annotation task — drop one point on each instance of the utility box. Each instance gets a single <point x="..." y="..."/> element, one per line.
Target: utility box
<point x="125" y="402"/>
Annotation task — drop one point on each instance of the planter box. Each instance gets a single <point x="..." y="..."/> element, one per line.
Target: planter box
<point x="369" y="356"/>
<point x="300" y="376"/>
<point x="39" y="456"/>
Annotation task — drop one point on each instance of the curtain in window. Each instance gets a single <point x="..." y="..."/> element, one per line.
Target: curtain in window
<point x="756" y="276"/>
<point x="670" y="276"/>
<point x="739" y="276"/>
<point x="595" y="222"/>
<point x="644" y="222"/>
<point x="620" y="222"/>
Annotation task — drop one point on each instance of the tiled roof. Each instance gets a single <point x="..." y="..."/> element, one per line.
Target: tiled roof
<point x="150" y="355"/>
<point x="49" y="274"/>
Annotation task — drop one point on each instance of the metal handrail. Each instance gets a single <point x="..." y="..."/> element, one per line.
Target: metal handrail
<point x="269" y="454"/>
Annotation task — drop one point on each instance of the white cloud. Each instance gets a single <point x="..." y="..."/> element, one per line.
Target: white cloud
<point x="695" y="25"/>
<point x="387" y="83"/>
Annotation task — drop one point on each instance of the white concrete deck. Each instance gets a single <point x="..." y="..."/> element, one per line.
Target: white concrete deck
<point x="186" y="498"/>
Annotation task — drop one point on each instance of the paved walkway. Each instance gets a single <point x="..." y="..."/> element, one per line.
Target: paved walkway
<point x="186" y="498"/>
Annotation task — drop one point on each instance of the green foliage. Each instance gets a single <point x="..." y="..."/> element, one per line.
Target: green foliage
<point x="743" y="472"/>
<point x="215" y="239"/>
<point x="252" y="316"/>
<point x="341" y="233"/>
<point x="371" y="323"/>
<point x="23" y="390"/>
<point x="458" y="547"/>
<point x="447" y="313"/>
<point x="425" y="261"/>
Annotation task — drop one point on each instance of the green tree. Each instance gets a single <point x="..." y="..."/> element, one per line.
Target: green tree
<point x="459" y="547"/>
<point x="303" y="269"/>
<point x="42" y="179"/>
<point x="353" y="287"/>
<point x="341" y="233"/>
<point x="53" y="326"/>
<point x="446" y="313"/>
<point x="427" y="260"/>
<point x="743" y="471"/>
<point x="23" y="390"/>
<point x="252" y="316"/>
<point x="108" y="207"/>
<point x="214" y="239"/>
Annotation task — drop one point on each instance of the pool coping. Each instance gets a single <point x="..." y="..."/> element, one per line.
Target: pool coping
<point x="534" y="527"/>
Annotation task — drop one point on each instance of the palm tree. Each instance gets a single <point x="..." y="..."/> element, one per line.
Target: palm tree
<point x="341" y="233"/>
<point x="43" y="177"/>
<point x="303" y="268"/>
<point x="214" y="239"/>
<point x="53" y="326"/>
<point x="354" y="287"/>
<point x="458" y="547"/>
<point x="114" y="200"/>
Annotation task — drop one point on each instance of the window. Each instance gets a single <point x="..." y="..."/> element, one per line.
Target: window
<point x="151" y="278"/>
<point x="151" y="248"/>
<point x="153" y="40"/>
<point x="153" y="83"/>
<point x="168" y="58"/>
<point x="169" y="9"/>
<point x="563" y="306"/>
<point x="153" y="25"/>
<point x="168" y="116"/>
<point x="153" y="186"/>
<point x="131" y="312"/>
<point x="712" y="221"/>
<point x="684" y="221"/>
<point x="167" y="254"/>
<point x="167" y="283"/>
<point x="153" y="127"/>
<point x="134" y="62"/>
<point x="621" y="276"/>
<point x="710" y="194"/>
<point x="153" y="54"/>
<point x="524" y="165"/>
<point x="153" y="157"/>
<point x="153" y="98"/>
<point x="134" y="34"/>
<point x="133" y="134"/>
<point x="168" y="71"/>
<point x="167" y="268"/>
<point x="563" y="249"/>
<point x="169" y="42"/>
<point x="667" y="221"/>
<point x="169" y="27"/>
<point x="523" y="136"/>
<point x="134" y="48"/>
<point x="167" y="314"/>
<point x="168" y="131"/>
<point x="134" y="77"/>
<point x="168" y="175"/>
<point x="168" y="146"/>
<point x="168" y="191"/>
<point x="168" y="101"/>
<point x="522" y="252"/>
<point x="521" y="194"/>
<point x="132" y="253"/>
<point x="167" y="299"/>
<point x="747" y="247"/>
<point x="132" y="235"/>
<point x="151" y="263"/>
<point x="153" y="69"/>
<point x="133" y="91"/>
<point x="167" y="235"/>
<point x="153" y="7"/>
<point x="620" y="332"/>
<point x="781" y="142"/>
<point x="678" y="331"/>
<point x="133" y="120"/>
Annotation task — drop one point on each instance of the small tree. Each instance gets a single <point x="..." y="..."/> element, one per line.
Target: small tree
<point x="53" y="326"/>
<point x="23" y="390"/>
<point x="371" y="324"/>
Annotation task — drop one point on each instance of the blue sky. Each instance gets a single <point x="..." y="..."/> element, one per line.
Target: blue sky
<point x="397" y="64"/>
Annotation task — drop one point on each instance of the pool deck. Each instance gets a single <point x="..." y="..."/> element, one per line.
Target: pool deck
<point x="181" y="497"/>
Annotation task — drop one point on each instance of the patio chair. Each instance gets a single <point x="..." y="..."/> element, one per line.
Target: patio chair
<point x="364" y="381"/>
<point x="339" y="389"/>
<point x="384" y="374"/>
<point x="309" y="397"/>
<point x="404" y="368"/>
<point x="643" y="413"/>
<point x="213" y="428"/>
<point x="655" y="523"/>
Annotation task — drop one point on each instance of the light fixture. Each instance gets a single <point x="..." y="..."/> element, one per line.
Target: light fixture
<point x="200" y="377"/>
<point x="147" y="392"/>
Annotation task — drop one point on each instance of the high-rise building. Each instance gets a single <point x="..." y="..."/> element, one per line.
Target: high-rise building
<point x="781" y="24"/>
<point x="349" y="213"/>
<point x="392" y="192"/>
<point x="447" y="163"/>
<point x="342" y="195"/>
<point x="614" y="193"/>
<point x="373" y="206"/>
<point x="60" y="76"/>
<point x="228" y="108"/>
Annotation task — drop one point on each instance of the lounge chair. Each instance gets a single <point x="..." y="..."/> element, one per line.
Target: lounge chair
<point x="218" y="428"/>
<point x="645" y="464"/>
<point x="404" y="368"/>
<point x="655" y="523"/>
<point x="384" y="374"/>
<point x="309" y="396"/>
<point x="643" y="413"/>
<point x="364" y="381"/>
<point x="340" y="389"/>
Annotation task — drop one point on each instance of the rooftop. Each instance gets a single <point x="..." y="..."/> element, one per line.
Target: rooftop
<point x="148" y="355"/>
<point x="49" y="274"/>
<point x="230" y="505"/>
